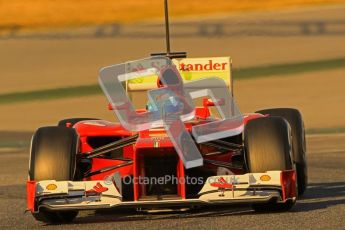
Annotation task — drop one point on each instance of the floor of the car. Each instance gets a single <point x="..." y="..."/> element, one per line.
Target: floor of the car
<point x="162" y="197"/>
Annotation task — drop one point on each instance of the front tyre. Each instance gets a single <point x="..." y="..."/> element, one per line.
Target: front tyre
<point x="295" y="120"/>
<point x="267" y="143"/>
<point x="53" y="157"/>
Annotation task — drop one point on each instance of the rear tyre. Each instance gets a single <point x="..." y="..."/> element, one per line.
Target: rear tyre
<point x="294" y="118"/>
<point x="73" y="121"/>
<point x="267" y="143"/>
<point x="53" y="157"/>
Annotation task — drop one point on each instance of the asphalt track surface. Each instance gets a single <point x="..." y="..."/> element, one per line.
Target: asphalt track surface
<point x="322" y="207"/>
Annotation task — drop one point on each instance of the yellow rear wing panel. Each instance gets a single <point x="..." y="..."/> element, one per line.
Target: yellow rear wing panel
<point x="190" y="69"/>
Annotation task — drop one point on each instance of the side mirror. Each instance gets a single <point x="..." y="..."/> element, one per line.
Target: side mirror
<point x="110" y="106"/>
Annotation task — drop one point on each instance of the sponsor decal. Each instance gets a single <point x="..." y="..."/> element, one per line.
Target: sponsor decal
<point x="97" y="190"/>
<point x="51" y="187"/>
<point x="206" y="66"/>
<point x="265" y="178"/>
<point x="222" y="185"/>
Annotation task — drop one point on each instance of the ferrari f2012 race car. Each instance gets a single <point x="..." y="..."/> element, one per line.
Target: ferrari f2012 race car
<point x="189" y="147"/>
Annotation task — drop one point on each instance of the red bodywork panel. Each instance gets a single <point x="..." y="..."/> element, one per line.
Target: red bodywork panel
<point x="30" y="195"/>
<point x="288" y="181"/>
<point x="155" y="139"/>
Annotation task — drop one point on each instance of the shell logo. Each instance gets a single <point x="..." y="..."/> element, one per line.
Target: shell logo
<point x="51" y="187"/>
<point x="265" y="178"/>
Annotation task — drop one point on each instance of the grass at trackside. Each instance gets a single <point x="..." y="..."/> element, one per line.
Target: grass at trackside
<point x="288" y="69"/>
<point x="239" y="74"/>
<point x="14" y="144"/>
<point x="48" y="94"/>
<point x="326" y="130"/>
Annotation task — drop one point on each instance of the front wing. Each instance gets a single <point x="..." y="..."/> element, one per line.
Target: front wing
<point x="277" y="186"/>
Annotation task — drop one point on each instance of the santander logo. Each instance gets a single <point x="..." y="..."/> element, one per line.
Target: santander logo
<point x="208" y="66"/>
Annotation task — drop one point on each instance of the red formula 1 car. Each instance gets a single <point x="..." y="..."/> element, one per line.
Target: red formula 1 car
<point x="84" y="163"/>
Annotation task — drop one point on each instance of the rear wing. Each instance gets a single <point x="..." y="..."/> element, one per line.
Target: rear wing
<point x="191" y="69"/>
